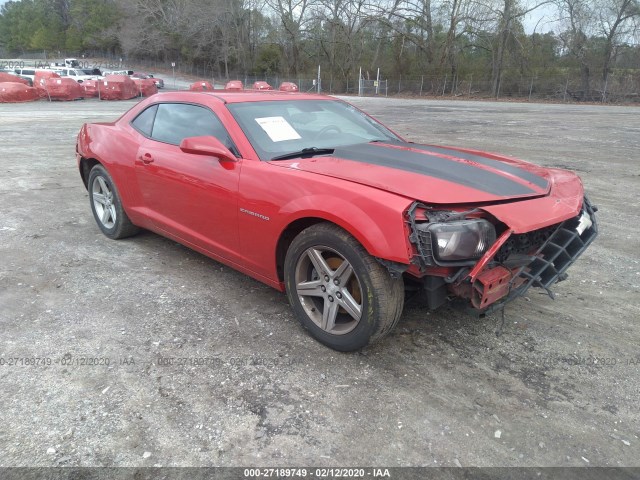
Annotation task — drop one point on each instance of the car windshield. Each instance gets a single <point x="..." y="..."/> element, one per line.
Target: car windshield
<point x="87" y="71"/>
<point x="278" y="128"/>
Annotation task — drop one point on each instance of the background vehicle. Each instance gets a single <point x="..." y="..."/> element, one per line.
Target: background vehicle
<point x="261" y="86"/>
<point x="77" y="74"/>
<point x="27" y="73"/>
<point x="288" y="87"/>
<point x="234" y="85"/>
<point x="68" y="62"/>
<point x="7" y="74"/>
<point x="158" y="81"/>
<point x="313" y="197"/>
<point x="118" y="72"/>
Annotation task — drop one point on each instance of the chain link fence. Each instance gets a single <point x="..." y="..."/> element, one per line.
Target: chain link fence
<point x="373" y="87"/>
<point x="622" y="86"/>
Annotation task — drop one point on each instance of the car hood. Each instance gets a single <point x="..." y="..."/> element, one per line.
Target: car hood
<point x="431" y="174"/>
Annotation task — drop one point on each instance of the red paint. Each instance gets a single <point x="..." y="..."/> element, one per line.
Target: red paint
<point x="489" y="254"/>
<point x="236" y="211"/>
<point x="262" y="86"/>
<point x="234" y="85"/>
<point x="490" y="286"/>
<point x="202" y="86"/>
<point x="288" y="87"/>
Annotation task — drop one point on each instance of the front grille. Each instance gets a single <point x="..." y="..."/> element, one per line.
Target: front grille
<point x="562" y="248"/>
<point x="524" y="243"/>
<point x="564" y="244"/>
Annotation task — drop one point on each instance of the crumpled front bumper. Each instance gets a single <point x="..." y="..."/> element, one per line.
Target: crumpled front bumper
<point x="499" y="282"/>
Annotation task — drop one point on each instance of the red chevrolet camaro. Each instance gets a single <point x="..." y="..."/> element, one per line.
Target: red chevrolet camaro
<point x="310" y="195"/>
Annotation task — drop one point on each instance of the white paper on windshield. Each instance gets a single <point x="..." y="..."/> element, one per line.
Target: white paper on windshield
<point x="278" y="129"/>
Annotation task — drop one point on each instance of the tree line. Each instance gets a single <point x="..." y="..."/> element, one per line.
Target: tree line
<point x="482" y="38"/>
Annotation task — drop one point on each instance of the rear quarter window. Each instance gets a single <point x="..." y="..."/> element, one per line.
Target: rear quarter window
<point x="144" y="121"/>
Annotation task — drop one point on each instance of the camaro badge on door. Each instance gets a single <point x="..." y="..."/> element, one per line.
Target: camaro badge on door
<point x="249" y="212"/>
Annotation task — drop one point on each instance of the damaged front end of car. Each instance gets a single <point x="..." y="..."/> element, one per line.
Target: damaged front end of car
<point x="471" y="255"/>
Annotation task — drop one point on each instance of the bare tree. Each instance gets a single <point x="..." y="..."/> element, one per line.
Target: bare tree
<point x="251" y="30"/>
<point x="339" y="25"/>
<point x="293" y="16"/>
<point x="412" y="20"/>
<point x="615" y="24"/>
<point x="153" y="27"/>
<point x="459" y="17"/>
<point x="508" y="14"/>
<point x="578" y="15"/>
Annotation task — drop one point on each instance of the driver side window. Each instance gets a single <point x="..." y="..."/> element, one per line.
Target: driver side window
<point x="173" y="122"/>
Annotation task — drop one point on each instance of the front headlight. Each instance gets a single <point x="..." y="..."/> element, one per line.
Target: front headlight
<point x="461" y="240"/>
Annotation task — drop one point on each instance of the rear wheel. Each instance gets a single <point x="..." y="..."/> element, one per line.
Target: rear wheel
<point x="342" y="295"/>
<point x="107" y="206"/>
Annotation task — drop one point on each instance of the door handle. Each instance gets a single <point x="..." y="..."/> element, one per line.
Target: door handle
<point x="146" y="158"/>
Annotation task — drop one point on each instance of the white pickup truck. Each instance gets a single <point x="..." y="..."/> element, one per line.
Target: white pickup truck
<point x="68" y="62"/>
<point x="78" y="74"/>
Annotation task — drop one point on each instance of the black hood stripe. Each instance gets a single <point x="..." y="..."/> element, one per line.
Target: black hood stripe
<point x="433" y="166"/>
<point x="489" y="162"/>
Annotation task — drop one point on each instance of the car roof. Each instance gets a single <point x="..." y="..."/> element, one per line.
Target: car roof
<point x="245" y="96"/>
<point x="261" y="96"/>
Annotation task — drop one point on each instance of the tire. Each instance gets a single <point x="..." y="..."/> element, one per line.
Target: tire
<point x="362" y="307"/>
<point x="107" y="206"/>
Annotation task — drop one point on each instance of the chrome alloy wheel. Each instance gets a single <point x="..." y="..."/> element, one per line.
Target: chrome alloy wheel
<point x="102" y="197"/>
<point x="329" y="290"/>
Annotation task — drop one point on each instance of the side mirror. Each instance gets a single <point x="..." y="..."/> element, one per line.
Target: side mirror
<point x="209" y="146"/>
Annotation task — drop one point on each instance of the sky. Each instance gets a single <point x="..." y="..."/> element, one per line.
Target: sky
<point x="541" y="20"/>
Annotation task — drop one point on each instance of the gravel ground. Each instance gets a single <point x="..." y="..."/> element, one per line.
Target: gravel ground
<point x="208" y="367"/>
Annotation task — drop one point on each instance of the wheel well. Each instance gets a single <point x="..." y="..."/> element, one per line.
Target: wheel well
<point x="86" y="164"/>
<point x="287" y="237"/>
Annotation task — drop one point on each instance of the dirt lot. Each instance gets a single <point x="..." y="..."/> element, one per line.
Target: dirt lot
<point x="560" y="387"/>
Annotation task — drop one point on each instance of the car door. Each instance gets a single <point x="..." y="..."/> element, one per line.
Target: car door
<point x="191" y="197"/>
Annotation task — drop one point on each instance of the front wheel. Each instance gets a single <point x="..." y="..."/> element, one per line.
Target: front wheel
<point x="107" y="206"/>
<point x="341" y="294"/>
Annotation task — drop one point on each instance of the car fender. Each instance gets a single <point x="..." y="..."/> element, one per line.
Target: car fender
<point x="273" y="212"/>
<point x="381" y="235"/>
<point x="92" y="144"/>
